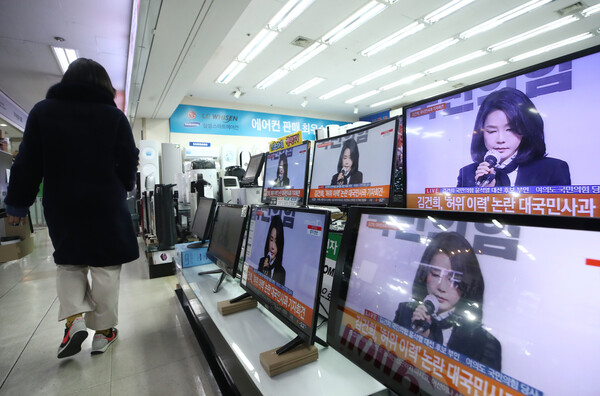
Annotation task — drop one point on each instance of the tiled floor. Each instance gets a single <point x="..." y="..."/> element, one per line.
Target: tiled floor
<point x="156" y="353"/>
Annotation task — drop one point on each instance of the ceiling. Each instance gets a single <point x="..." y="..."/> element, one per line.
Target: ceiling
<point x="183" y="46"/>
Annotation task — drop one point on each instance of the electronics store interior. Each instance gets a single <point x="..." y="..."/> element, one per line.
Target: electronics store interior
<point x="420" y="249"/>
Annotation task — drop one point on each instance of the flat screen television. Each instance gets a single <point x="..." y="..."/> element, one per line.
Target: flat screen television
<point x="253" y="171"/>
<point x="286" y="176"/>
<point x="524" y="142"/>
<point x="282" y="268"/>
<point x="469" y="303"/>
<point x="226" y="239"/>
<point x="203" y="221"/>
<point x="355" y="168"/>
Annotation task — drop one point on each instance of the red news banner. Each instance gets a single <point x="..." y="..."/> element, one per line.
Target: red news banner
<point x="444" y="369"/>
<point x="351" y="192"/>
<point x="284" y="192"/>
<point x="580" y="205"/>
<point x="289" y="303"/>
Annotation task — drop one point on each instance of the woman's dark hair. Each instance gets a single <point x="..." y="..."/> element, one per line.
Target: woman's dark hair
<point x="523" y="118"/>
<point x="462" y="259"/>
<point x="349" y="144"/>
<point x="87" y="71"/>
<point x="282" y="158"/>
<point x="278" y="225"/>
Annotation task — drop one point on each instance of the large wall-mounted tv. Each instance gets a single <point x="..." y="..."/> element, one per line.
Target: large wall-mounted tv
<point x="525" y="143"/>
<point x="355" y="168"/>
<point x="286" y="176"/>
<point x="284" y="260"/>
<point x="449" y="303"/>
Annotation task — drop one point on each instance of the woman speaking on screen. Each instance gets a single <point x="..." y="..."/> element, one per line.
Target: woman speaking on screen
<point x="347" y="167"/>
<point x="508" y="147"/>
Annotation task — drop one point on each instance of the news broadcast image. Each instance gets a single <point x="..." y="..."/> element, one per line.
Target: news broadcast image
<point x="292" y="162"/>
<point x="558" y="179"/>
<point x="296" y="289"/>
<point x="367" y="183"/>
<point x="516" y="329"/>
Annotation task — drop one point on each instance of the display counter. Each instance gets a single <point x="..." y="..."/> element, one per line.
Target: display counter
<point x="234" y="342"/>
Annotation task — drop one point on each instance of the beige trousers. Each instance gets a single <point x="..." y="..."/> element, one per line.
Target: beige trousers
<point x="98" y="300"/>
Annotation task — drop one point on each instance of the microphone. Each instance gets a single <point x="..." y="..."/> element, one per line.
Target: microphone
<point x="492" y="157"/>
<point x="432" y="304"/>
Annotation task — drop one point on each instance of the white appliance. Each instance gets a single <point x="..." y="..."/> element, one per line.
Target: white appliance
<point x="149" y="165"/>
<point x="229" y="183"/>
<point x="228" y="156"/>
<point x="171" y="162"/>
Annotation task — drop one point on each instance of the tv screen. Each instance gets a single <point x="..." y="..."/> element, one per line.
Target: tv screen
<point x="283" y="264"/>
<point x="227" y="235"/>
<point x="203" y="220"/>
<point x="285" y="176"/>
<point x="252" y="174"/>
<point x="521" y="143"/>
<point x="469" y="303"/>
<point x="355" y="168"/>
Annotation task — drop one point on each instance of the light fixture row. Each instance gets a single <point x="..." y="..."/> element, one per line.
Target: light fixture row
<point x="476" y="54"/>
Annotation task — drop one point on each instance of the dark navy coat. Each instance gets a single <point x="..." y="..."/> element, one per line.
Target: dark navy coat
<point x="81" y="145"/>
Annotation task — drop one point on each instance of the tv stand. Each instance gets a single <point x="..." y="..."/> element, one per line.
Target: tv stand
<point x="221" y="278"/>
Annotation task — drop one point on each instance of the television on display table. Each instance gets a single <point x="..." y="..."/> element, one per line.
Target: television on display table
<point x="447" y="303"/>
<point x="524" y="142"/>
<point x="286" y="176"/>
<point x="282" y="269"/>
<point x="355" y="168"/>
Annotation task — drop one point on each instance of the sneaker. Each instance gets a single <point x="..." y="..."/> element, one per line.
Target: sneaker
<point x="102" y="342"/>
<point x="74" y="337"/>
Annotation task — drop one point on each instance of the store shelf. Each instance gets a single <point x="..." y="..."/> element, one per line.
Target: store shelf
<point x="237" y="340"/>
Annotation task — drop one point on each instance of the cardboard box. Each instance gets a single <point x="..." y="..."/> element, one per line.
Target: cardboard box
<point x="14" y="251"/>
<point x="187" y="257"/>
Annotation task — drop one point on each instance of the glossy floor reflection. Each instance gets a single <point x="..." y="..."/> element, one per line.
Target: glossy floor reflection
<point x="156" y="353"/>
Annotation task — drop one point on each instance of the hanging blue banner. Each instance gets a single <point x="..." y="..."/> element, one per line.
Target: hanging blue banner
<point x="215" y="121"/>
<point x="384" y="115"/>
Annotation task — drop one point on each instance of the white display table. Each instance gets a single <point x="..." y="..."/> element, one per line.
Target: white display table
<point x="251" y="332"/>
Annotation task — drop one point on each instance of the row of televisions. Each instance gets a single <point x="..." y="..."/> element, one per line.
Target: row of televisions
<point x="519" y="143"/>
<point x="426" y="302"/>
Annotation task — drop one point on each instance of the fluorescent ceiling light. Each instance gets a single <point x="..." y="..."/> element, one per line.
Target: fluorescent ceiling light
<point x="457" y="61"/>
<point x="534" y="32"/>
<point x="393" y="39"/>
<point x="478" y="70"/>
<point x="591" y="10"/>
<point x="500" y="19"/>
<point x="426" y="87"/>
<point x="336" y="91"/>
<point x="232" y="70"/>
<point x="64" y="57"/>
<point x="395" y="98"/>
<point x="255" y="47"/>
<point x="363" y="96"/>
<point x="446" y="10"/>
<point x="275" y="76"/>
<point x="428" y="51"/>
<point x="375" y="74"/>
<point x="307" y="85"/>
<point x="305" y="56"/>
<point x="405" y="80"/>
<point x="570" y="40"/>
<point x="354" y="21"/>
<point x="290" y="11"/>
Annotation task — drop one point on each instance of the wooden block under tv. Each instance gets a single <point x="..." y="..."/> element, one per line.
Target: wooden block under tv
<point x="227" y="308"/>
<point x="275" y="364"/>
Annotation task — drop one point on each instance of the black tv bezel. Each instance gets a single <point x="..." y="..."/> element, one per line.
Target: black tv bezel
<point x="345" y="261"/>
<point x="209" y="221"/>
<point x="302" y="202"/>
<point x="354" y="131"/>
<point x="252" y="181"/>
<point x="307" y="337"/>
<point x="215" y="258"/>
<point x="493" y="80"/>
